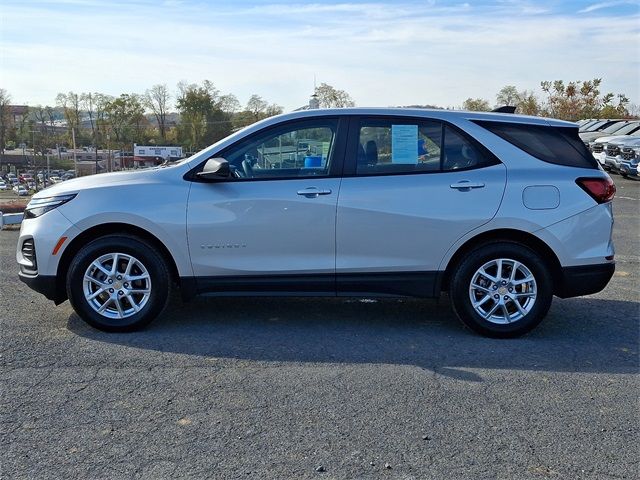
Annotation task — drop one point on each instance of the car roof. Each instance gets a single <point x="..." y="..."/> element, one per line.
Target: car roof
<point x="420" y="112"/>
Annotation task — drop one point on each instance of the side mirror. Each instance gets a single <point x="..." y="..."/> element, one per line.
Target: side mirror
<point x="215" y="169"/>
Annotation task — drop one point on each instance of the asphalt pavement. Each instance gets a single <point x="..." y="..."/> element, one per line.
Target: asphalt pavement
<point x="324" y="388"/>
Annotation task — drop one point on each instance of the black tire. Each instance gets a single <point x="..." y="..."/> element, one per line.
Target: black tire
<point x="466" y="270"/>
<point x="146" y="256"/>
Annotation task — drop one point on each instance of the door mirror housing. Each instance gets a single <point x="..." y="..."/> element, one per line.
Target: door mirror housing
<point x="215" y="169"/>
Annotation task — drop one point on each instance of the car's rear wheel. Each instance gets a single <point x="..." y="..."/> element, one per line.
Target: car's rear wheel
<point x="118" y="283"/>
<point x="501" y="289"/>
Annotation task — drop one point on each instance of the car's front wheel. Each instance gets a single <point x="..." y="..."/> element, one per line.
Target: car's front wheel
<point x="501" y="289"/>
<point x="118" y="283"/>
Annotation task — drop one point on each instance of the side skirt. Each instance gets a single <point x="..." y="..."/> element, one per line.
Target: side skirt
<point x="378" y="284"/>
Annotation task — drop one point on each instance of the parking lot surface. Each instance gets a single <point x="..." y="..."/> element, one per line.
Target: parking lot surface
<point x="323" y="388"/>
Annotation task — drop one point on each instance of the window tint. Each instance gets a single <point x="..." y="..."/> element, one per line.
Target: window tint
<point x="559" y="145"/>
<point x="387" y="146"/>
<point x="460" y="153"/>
<point x="296" y="150"/>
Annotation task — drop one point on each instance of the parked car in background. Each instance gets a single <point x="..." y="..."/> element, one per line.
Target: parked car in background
<point x="613" y="152"/>
<point x="3" y="186"/>
<point x="55" y="179"/>
<point x="618" y="128"/>
<point x="629" y="157"/>
<point x="20" y="190"/>
<point x="598" y="146"/>
<point x="599" y="125"/>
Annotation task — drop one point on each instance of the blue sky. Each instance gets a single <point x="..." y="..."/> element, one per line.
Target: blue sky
<point x="382" y="53"/>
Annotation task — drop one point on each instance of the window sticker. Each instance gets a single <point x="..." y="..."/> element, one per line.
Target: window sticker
<point x="404" y="144"/>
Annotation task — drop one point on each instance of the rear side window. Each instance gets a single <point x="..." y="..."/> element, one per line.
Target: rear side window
<point x="388" y="146"/>
<point x="559" y="145"/>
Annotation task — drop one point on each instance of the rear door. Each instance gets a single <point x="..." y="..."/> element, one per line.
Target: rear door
<point x="412" y="187"/>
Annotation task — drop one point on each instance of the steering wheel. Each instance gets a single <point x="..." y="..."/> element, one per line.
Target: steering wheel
<point x="248" y="168"/>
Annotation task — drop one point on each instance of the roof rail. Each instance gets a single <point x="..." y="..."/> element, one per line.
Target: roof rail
<point x="505" y="109"/>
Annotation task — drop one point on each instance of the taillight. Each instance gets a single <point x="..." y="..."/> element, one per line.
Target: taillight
<point x="600" y="189"/>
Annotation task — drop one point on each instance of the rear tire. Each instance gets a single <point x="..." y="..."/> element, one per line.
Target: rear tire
<point x="118" y="283"/>
<point x="501" y="290"/>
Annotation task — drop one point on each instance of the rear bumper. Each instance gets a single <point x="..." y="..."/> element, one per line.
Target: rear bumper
<point x="585" y="279"/>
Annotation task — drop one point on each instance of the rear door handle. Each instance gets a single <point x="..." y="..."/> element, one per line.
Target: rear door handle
<point x="313" y="192"/>
<point x="466" y="185"/>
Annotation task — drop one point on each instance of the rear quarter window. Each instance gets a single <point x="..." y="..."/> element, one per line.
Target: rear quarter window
<point x="558" y="145"/>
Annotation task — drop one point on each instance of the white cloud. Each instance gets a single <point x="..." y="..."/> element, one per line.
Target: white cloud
<point x="602" y="5"/>
<point x="381" y="53"/>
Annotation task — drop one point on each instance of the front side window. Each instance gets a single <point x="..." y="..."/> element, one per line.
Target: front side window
<point x="387" y="146"/>
<point x="299" y="150"/>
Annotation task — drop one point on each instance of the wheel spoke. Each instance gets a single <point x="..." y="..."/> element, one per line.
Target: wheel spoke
<point x="114" y="265"/>
<point x="484" y="273"/>
<point x="136" y="277"/>
<point x="505" y="313"/>
<point x="481" y="288"/>
<point x="129" y="265"/>
<point x="132" y="302"/>
<point x="482" y="301"/>
<point x="499" y="272"/>
<point x="492" y="311"/>
<point x="119" y="307"/>
<point x="139" y="290"/>
<point x="527" y="279"/>
<point x="522" y="311"/>
<point x="514" y="270"/>
<point x="524" y="294"/>
<point x="101" y="268"/>
<point x="104" y="305"/>
<point x="95" y="294"/>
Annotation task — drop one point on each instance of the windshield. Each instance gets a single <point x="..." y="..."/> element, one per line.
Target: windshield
<point x="614" y="128"/>
<point x="629" y="128"/>
<point x="594" y="126"/>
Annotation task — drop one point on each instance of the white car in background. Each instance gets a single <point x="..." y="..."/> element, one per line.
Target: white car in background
<point x="3" y="186"/>
<point x="502" y="211"/>
<point x="20" y="190"/>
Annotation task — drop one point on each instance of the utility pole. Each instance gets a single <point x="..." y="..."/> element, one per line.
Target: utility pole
<point x="75" y="161"/>
<point x="33" y="146"/>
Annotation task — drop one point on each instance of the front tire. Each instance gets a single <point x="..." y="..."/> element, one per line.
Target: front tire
<point x="118" y="283"/>
<point x="501" y="290"/>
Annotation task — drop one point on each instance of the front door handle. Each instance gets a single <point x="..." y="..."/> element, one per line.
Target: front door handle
<point x="313" y="192"/>
<point x="466" y="185"/>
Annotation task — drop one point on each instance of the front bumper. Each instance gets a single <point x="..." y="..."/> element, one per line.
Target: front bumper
<point x="46" y="285"/>
<point x="584" y="279"/>
<point x="628" y="169"/>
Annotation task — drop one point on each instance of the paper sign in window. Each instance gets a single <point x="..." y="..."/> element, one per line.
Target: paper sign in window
<point x="404" y="144"/>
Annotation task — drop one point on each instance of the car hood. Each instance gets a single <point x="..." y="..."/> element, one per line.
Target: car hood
<point x="627" y="141"/>
<point x="611" y="138"/>
<point x="95" y="181"/>
<point x="589" y="136"/>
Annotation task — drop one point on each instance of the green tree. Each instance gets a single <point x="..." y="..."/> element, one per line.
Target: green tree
<point x="202" y="119"/>
<point x="330" y="97"/>
<point x="5" y="117"/>
<point x="476" y="105"/>
<point x="157" y="99"/>
<point x="508" y="95"/>
<point x="126" y="118"/>
<point x="70" y="104"/>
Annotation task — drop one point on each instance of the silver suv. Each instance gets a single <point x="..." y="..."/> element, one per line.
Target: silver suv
<point x="501" y="211"/>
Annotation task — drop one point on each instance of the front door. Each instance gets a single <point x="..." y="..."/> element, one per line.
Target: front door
<point x="271" y="226"/>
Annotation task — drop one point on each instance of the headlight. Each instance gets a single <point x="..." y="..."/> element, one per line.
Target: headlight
<point x="637" y="150"/>
<point x="40" y="206"/>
